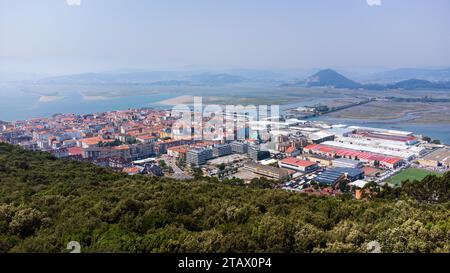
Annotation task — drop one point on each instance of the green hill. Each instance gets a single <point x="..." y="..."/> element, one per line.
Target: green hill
<point x="47" y="202"/>
<point x="329" y="77"/>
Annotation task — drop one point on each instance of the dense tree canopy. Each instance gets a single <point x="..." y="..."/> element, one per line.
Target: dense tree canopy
<point x="47" y="202"/>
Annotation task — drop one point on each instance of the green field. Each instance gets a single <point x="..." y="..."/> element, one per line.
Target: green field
<point x="409" y="174"/>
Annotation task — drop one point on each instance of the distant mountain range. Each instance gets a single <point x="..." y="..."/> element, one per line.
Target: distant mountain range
<point x="401" y="74"/>
<point x="213" y="79"/>
<point x="405" y="78"/>
<point x="332" y="79"/>
<point x="156" y="78"/>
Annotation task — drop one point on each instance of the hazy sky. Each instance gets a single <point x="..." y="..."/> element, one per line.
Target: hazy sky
<point x="50" y="36"/>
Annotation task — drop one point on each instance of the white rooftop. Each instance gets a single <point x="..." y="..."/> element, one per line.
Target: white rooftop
<point x="146" y="160"/>
<point x="359" y="183"/>
<point x="386" y="131"/>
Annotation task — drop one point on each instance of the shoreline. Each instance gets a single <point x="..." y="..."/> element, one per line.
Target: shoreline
<point x="186" y="99"/>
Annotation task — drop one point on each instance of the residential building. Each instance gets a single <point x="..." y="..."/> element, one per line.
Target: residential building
<point x="198" y="157"/>
<point x="256" y="155"/>
<point x="222" y="150"/>
<point x="239" y="147"/>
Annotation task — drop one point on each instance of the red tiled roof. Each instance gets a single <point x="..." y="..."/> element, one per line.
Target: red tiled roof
<point x="146" y="137"/>
<point x="94" y="140"/>
<point x="291" y="150"/>
<point x="131" y="170"/>
<point x="298" y="162"/>
<point x="353" y="153"/>
<point x="180" y="149"/>
<point x="75" y="151"/>
<point x="370" y="170"/>
<point x="121" y="147"/>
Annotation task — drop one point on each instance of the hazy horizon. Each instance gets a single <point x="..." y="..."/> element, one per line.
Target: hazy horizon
<point x="51" y="37"/>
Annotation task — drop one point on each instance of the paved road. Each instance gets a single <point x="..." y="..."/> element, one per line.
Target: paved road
<point x="178" y="173"/>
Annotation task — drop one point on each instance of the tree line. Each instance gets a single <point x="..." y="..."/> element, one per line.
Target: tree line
<point x="47" y="202"/>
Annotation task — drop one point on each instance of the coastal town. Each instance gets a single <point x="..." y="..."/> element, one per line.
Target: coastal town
<point x="299" y="155"/>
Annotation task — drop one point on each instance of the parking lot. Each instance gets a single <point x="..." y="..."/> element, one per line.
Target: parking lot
<point x="228" y="159"/>
<point x="245" y="175"/>
<point x="301" y="181"/>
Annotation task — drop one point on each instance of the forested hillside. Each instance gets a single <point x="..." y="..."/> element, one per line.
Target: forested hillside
<point x="47" y="202"/>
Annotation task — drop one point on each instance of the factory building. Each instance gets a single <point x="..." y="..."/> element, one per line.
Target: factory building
<point x="268" y="171"/>
<point x="382" y="131"/>
<point x="320" y="137"/>
<point x="346" y="163"/>
<point x="438" y="158"/>
<point x="383" y="134"/>
<point x="388" y="147"/>
<point x="330" y="177"/>
<point x="333" y="176"/>
<point x="320" y="159"/>
<point x="372" y="148"/>
<point x="298" y="165"/>
<point x="367" y="157"/>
